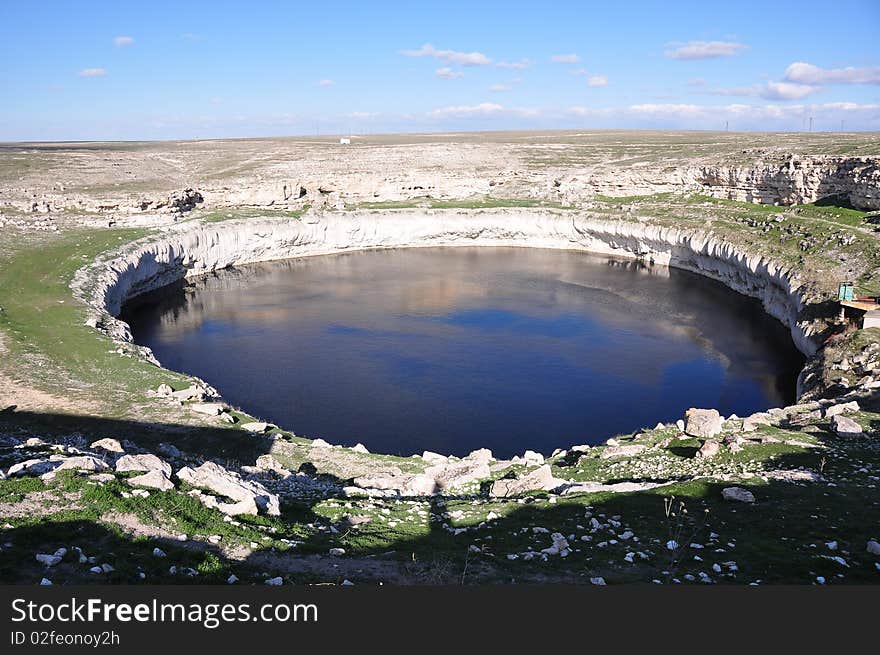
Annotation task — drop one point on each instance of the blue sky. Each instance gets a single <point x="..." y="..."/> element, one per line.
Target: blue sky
<point x="161" y="70"/>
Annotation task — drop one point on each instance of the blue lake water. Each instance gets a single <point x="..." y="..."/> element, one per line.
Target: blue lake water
<point x="453" y="349"/>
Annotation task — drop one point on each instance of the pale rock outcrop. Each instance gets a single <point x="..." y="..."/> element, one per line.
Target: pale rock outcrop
<point x="249" y="496"/>
<point x="154" y="479"/>
<point x="539" y="479"/>
<point x="108" y="445"/>
<point x="841" y="408"/>
<point x="145" y="462"/>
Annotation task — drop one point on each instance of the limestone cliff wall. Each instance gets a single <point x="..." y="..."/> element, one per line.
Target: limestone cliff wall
<point x="180" y="253"/>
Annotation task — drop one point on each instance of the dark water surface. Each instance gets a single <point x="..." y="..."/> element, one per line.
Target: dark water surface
<point x="458" y="348"/>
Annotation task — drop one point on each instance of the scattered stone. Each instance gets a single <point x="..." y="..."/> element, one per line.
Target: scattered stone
<point x="531" y="457"/>
<point x="190" y="393"/>
<point x="336" y="552"/>
<point x="360" y="448"/>
<point x="45" y="582"/>
<point x="738" y="494"/>
<point x="457" y="474"/>
<point x="630" y="450"/>
<point x="598" y="581"/>
<point x="232" y="579"/>
<point x="164" y="390"/>
<point x="873" y="547"/>
<point x="158" y="552"/>
<point x="275" y="582"/>
<point x="703" y="423"/>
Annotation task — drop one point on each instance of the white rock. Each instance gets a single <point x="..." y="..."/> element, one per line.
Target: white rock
<point x="255" y="426"/>
<point x="209" y="409"/>
<point x="360" y="448"/>
<point x="845" y="427"/>
<point x="48" y="560"/>
<point x="533" y="457"/>
<point x="873" y="547"/>
<point x="158" y="552"/>
<point x="142" y="463"/>
<point x="232" y="579"/>
<point x="153" y="480"/>
<point x="703" y="423"/>
<point x="336" y="552"/>
<point x="598" y="581"/>
<point x="45" y="582"/>
<point x="738" y="494"/>
<point x="275" y="582"/>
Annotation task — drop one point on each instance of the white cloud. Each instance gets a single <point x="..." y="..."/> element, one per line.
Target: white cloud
<point x="571" y="58"/>
<point x="770" y="91"/>
<point x="447" y="73"/>
<point x="121" y="41"/>
<point x="704" y="49"/>
<point x="449" y="56"/>
<point x="216" y="101"/>
<point x="515" y="65"/>
<point x="92" y="72"/>
<point x="697" y="81"/>
<point x="597" y="80"/>
<point x="484" y="108"/>
<point x="580" y="71"/>
<point x="495" y="88"/>
<point x="326" y="83"/>
<point x="804" y="73"/>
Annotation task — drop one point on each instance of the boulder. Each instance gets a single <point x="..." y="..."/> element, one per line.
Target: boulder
<point x="209" y="409"/>
<point x="142" y="463"/>
<point x="255" y="426"/>
<point x="457" y="474"/>
<point x="541" y="478"/>
<point x="249" y="496"/>
<point x="108" y="445"/>
<point x="531" y="457"/>
<point x="80" y="463"/>
<point x="738" y="494"/>
<point x="190" y="393"/>
<point x="873" y="547"/>
<point x="164" y="390"/>
<point x="703" y="423"/>
<point x="434" y="458"/>
<point x="153" y="480"/>
<point x="841" y="408"/>
<point x="845" y="427"/>
<point x="32" y="467"/>
<point x="710" y="448"/>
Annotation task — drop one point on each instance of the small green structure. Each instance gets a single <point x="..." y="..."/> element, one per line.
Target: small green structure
<point x="845" y="291"/>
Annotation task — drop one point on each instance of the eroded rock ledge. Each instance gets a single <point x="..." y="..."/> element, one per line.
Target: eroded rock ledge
<point x="181" y="253"/>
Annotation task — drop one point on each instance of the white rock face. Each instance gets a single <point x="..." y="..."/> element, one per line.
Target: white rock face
<point x="153" y="480"/>
<point x="108" y="283"/>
